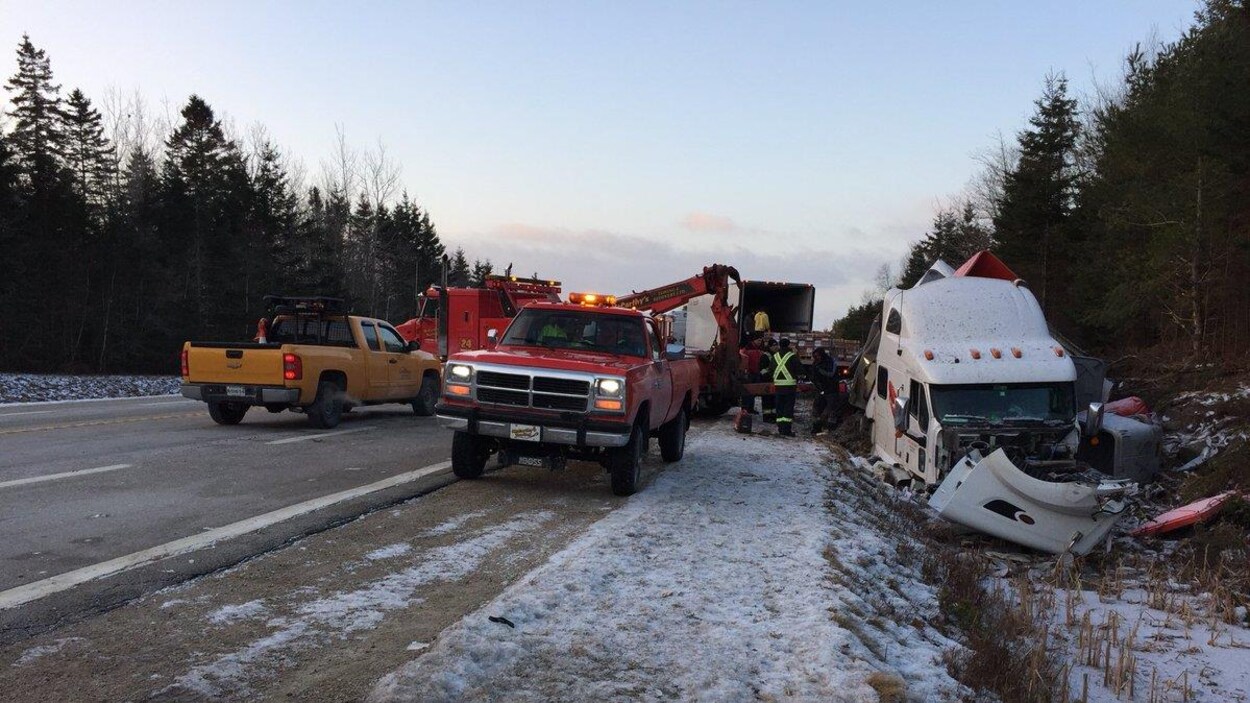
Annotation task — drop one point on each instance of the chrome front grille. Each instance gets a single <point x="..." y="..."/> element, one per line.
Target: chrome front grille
<point x="542" y="392"/>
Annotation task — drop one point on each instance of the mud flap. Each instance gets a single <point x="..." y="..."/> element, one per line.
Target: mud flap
<point x="991" y="495"/>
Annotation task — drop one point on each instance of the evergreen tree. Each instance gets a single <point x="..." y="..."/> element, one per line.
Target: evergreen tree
<point x="954" y="236"/>
<point x="481" y="269"/>
<point x="1033" y="222"/>
<point x="37" y="139"/>
<point x="459" y="274"/>
<point x="88" y="154"/>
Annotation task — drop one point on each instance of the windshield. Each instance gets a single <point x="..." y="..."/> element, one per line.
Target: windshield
<point x="1040" y="402"/>
<point x="574" y="329"/>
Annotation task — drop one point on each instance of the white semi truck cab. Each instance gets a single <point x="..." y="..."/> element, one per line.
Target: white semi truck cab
<point x="962" y="367"/>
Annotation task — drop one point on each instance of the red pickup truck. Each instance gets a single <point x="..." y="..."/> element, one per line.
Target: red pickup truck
<point x="582" y="380"/>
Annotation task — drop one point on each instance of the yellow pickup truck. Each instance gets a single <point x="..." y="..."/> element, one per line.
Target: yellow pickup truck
<point x="311" y="357"/>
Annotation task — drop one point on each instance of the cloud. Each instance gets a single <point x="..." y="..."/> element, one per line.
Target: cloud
<point x="707" y="222"/>
<point x="613" y="262"/>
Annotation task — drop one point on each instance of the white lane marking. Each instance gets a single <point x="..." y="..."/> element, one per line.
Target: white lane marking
<point x="319" y="435"/>
<point x="67" y="474"/>
<point x="62" y="582"/>
<point x="29" y="412"/>
<point x="87" y="400"/>
<point x="167" y="403"/>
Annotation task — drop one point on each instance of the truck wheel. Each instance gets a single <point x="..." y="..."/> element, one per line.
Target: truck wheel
<point x="673" y="437"/>
<point x="625" y="465"/>
<point x="226" y="412"/>
<point x="423" y="404"/>
<point x="327" y="410"/>
<point x="468" y="456"/>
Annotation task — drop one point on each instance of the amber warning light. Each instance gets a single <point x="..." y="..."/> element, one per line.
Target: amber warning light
<point x="591" y="299"/>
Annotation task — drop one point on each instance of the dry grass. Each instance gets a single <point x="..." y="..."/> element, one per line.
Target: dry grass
<point x="890" y="688"/>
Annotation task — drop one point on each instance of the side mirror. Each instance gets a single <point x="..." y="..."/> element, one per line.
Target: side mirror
<point x="414" y="345"/>
<point x="675" y="352"/>
<point x="1093" y="419"/>
<point x="900" y="413"/>
<point x="492" y="337"/>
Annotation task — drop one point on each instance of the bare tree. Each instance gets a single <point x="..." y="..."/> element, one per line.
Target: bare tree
<point x="986" y="189"/>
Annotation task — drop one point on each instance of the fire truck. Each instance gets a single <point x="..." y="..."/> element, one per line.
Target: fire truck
<point x="451" y="320"/>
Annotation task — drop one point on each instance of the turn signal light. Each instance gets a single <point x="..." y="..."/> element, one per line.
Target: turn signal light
<point x="186" y="366"/>
<point x="292" y="367"/>
<point x="604" y="404"/>
<point x="457" y="390"/>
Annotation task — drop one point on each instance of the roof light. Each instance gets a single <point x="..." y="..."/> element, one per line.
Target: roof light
<point x="976" y="353"/>
<point x="996" y="353"/>
<point x="591" y="299"/>
<point x="928" y="355"/>
<point x="1059" y="352"/>
<point x="1015" y="351"/>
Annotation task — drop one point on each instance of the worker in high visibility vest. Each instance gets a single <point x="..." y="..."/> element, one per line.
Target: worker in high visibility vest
<point x="785" y="369"/>
<point x="768" y="401"/>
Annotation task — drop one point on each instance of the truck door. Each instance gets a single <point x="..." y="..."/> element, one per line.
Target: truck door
<point x="659" y="377"/>
<point x="400" y="376"/>
<point x="376" y="363"/>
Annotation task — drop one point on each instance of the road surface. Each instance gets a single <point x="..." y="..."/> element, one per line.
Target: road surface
<point x="86" y="483"/>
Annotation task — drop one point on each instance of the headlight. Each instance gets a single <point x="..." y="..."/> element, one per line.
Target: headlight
<point x="609" y="387"/>
<point x="460" y="372"/>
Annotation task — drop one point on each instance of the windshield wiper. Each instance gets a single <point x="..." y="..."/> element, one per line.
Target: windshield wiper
<point x="966" y="418"/>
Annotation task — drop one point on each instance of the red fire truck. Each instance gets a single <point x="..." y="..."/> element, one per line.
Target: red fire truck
<point x="451" y="320"/>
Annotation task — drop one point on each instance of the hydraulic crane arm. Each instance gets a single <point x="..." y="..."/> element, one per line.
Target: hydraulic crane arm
<point x="714" y="280"/>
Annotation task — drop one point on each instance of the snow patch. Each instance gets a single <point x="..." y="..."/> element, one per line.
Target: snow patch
<point x="390" y="551"/>
<point x="234" y="613"/>
<point x="44" y="650"/>
<point x="454" y="523"/>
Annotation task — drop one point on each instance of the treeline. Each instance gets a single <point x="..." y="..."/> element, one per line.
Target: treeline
<point x="1127" y="212"/>
<point x="121" y="235"/>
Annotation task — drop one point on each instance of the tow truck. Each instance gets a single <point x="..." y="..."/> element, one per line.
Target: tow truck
<point x="457" y="319"/>
<point x="585" y="379"/>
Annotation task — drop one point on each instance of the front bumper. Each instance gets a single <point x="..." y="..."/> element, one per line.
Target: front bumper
<point x="576" y="432"/>
<point x="252" y="395"/>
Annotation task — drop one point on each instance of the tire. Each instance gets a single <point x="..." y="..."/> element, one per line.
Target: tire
<point x="275" y="408"/>
<point x="625" y="464"/>
<point x="673" y="437"/>
<point x="468" y="456"/>
<point x="327" y="409"/>
<point x="423" y="404"/>
<point x="227" y="412"/>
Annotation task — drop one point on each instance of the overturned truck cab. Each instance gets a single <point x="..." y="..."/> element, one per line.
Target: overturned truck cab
<point x="967" y="392"/>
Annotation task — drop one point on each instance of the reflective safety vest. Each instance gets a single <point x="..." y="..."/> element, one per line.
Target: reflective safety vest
<point x="781" y="374"/>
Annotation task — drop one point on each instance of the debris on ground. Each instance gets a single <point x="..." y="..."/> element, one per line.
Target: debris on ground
<point x="28" y="388"/>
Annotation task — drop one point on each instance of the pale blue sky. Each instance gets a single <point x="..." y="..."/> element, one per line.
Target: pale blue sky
<point x="624" y="145"/>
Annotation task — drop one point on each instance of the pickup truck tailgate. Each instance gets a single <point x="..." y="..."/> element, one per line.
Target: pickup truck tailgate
<point x="244" y="365"/>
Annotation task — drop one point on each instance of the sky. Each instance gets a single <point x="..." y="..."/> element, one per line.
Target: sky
<point x="618" y="146"/>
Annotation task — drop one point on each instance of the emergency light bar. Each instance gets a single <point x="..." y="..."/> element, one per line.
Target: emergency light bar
<point x="592" y="299"/>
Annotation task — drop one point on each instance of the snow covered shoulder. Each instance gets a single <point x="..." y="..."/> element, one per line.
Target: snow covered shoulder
<point x="31" y="388"/>
<point x="733" y="577"/>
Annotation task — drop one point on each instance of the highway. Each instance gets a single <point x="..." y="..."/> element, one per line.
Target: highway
<point x="85" y="483"/>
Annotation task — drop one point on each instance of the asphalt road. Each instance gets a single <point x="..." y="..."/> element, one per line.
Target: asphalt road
<point x="87" y="482"/>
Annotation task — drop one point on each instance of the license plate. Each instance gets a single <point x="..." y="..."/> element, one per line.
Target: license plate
<point x="236" y="391"/>
<point x="526" y="433"/>
<point x="531" y="461"/>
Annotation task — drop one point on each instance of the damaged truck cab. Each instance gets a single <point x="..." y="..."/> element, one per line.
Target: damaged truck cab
<point x="583" y="380"/>
<point x="966" y="390"/>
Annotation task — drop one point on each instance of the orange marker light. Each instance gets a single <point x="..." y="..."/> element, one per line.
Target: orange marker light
<point x="928" y="355"/>
<point x="603" y="404"/>
<point x="1059" y="352"/>
<point x="1015" y="351"/>
<point x="996" y="353"/>
<point x="976" y="353"/>
<point x="458" y="390"/>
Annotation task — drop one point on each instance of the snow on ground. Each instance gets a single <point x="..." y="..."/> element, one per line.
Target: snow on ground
<point x="745" y="572"/>
<point x="311" y="620"/>
<point x="1165" y="640"/>
<point x="27" y="388"/>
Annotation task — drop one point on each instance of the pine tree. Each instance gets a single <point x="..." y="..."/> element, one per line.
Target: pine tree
<point x="481" y="269"/>
<point x="459" y="274"/>
<point x="88" y="154"/>
<point x="37" y="139"/>
<point x="1032" y="225"/>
